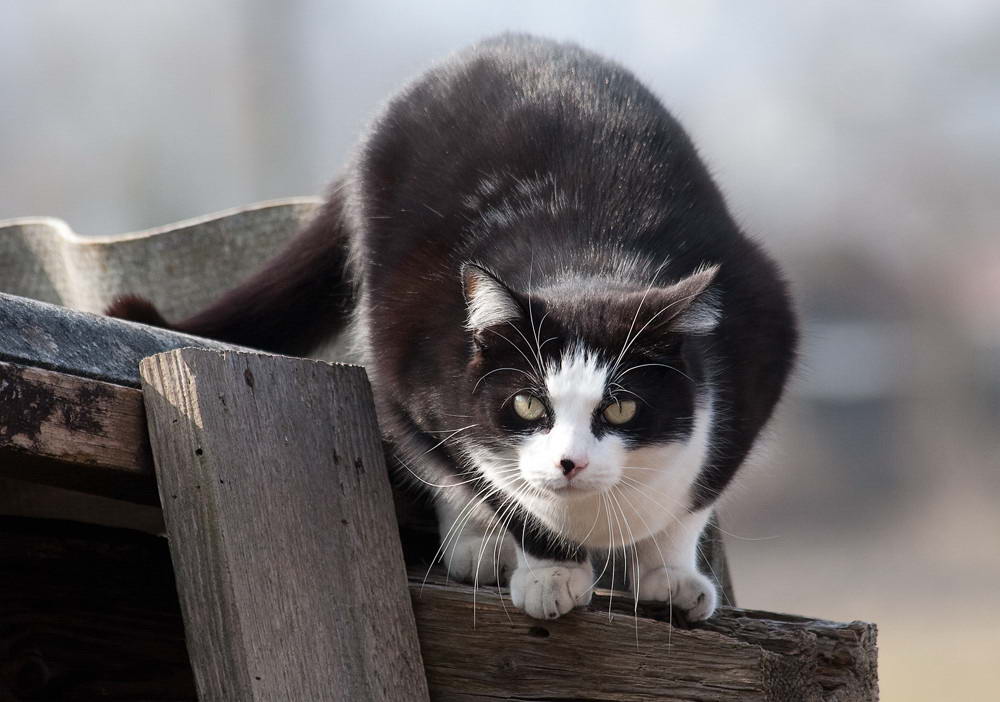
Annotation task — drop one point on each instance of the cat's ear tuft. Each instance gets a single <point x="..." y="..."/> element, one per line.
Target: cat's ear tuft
<point x="488" y="301"/>
<point x="695" y="307"/>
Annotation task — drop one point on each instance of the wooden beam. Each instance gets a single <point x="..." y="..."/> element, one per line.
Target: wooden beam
<point x="478" y="647"/>
<point x="75" y="433"/>
<point x="281" y="527"/>
<point x="41" y="335"/>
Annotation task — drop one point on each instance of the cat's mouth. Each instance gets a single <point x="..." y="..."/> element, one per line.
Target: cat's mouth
<point x="573" y="489"/>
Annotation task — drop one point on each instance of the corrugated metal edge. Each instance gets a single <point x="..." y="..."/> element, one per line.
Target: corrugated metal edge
<point x="64" y="231"/>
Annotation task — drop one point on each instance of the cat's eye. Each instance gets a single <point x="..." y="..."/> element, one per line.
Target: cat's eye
<point x="528" y="407"/>
<point x="620" y="412"/>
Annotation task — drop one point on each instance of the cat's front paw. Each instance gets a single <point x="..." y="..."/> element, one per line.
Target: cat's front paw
<point x="687" y="590"/>
<point x="472" y="561"/>
<point x="549" y="591"/>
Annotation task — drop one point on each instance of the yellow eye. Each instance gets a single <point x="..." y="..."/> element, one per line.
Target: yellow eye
<point x="620" y="412"/>
<point x="528" y="407"/>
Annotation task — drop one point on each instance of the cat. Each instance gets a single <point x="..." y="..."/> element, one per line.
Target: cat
<point x="572" y="345"/>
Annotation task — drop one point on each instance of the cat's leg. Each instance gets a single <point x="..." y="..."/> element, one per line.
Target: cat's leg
<point x="549" y="581"/>
<point x="472" y="552"/>
<point x="668" y="568"/>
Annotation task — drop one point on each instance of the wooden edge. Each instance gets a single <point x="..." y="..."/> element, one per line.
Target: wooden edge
<point x="42" y="335"/>
<point x="476" y="643"/>
<point x="75" y="433"/>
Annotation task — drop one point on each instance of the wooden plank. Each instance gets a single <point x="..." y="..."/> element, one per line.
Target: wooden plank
<point x="281" y="527"/>
<point x="76" y="433"/>
<point x="56" y="338"/>
<point x="736" y="655"/>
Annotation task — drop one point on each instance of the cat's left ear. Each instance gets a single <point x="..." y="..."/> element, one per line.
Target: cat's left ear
<point x="691" y="305"/>
<point x="488" y="300"/>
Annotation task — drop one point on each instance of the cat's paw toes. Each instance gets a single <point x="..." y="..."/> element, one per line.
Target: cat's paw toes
<point x="687" y="590"/>
<point x="470" y="561"/>
<point x="551" y="591"/>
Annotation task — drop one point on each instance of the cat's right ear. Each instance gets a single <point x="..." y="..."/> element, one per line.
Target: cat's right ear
<point x="488" y="300"/>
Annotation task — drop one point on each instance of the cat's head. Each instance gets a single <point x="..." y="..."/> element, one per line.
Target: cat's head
<point x="587" y="384"/>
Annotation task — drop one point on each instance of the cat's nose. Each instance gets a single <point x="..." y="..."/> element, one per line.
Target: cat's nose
<point x="571" y="467"/>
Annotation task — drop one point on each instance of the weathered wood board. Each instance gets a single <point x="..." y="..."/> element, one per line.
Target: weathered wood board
<point x="74" y="432"/>
<point x="88" y="345"/>
<point x="477" y="647"/>
<point x="281" y="526"/>
<point x="36" y="448"/>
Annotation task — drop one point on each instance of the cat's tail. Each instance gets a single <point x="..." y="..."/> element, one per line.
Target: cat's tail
<point x="300" y="298"/>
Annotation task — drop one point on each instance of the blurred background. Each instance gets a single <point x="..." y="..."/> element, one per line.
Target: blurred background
<point x="860" y="141"/>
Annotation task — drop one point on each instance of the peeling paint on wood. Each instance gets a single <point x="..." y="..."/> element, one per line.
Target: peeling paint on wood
<point x="68" y="431"/>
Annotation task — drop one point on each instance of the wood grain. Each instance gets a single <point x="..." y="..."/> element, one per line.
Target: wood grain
<point x="281" y="528"/>
<point x="478" y="647"/>
<point x="74" y="432"/>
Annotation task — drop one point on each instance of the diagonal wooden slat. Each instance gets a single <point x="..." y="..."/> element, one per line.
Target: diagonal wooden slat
<point x="280" y="519"/>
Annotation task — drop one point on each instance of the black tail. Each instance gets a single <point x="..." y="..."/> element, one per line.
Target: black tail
<point x="300" y="298"/>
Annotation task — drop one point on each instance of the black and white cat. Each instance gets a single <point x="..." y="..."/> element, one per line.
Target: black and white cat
<point x="571" y="343"/>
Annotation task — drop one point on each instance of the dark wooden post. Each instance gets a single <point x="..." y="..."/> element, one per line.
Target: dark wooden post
<point x="281" y="526"/>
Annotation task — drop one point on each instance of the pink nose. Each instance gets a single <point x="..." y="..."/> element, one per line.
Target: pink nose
<point x="570" y="467"/>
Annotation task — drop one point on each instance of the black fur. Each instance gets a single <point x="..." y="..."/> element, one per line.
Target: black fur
<point x="567" y="180"/>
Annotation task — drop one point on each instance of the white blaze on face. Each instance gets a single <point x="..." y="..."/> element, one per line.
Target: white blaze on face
<point x="575" y="388"/>
<point x="646" y="488"/>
